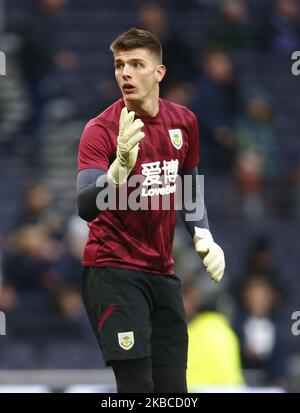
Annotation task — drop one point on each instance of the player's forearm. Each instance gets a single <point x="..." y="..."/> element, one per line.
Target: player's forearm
<point x="193" y="212"/>
<point x="201" y="222"/>
<point x="90" y="182"/>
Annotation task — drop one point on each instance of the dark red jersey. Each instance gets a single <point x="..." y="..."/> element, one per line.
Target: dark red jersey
<point x="140" y="239"/>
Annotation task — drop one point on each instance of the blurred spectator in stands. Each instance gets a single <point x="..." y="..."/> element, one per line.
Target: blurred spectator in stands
<point x="28" y="261"/>
<point x="37" y="202"/>
<point x="213" y="352"/>
<point x="259" y="327"/>
<point x="288" y="193"/>
<point x="244" y="194"/>
<point x="255" y="132"/>
<point x="39" y="58"/>
<point x="70" y="314"/>
<point x="38" y="209"/>
<point x="69" y="265"/>
<point x="54" y="225"/>
<point x="250" y="185"/>
<point x="215" y="103"/>
<point x="233" y="29"/>
<point x="69" y="303"/>
<point x="284" y="26"/>
<point x="8" y="298"/>
<point x="69" y="270"/>
<point x="178" y="92"/>
<point x="260" y="258"/>
<point x="258" y="160"/>
<point x="177" y="57"/>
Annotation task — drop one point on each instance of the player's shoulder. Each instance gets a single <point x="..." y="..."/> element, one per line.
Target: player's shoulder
<point x="180" y="110"/>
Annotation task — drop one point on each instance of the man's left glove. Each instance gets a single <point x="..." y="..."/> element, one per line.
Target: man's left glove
<point x="211" y="253"/>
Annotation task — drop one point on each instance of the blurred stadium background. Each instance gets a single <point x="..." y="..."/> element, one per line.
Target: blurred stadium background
<point x="230" y="62"/>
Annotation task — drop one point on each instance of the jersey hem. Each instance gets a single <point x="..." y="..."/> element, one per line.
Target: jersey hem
<point x="127" y="266"/>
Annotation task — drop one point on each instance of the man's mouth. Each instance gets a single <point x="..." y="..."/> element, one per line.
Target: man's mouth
<point x="127" y="88"/>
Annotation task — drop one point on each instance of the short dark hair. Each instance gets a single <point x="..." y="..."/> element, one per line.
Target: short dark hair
<point x="137" y="38"/>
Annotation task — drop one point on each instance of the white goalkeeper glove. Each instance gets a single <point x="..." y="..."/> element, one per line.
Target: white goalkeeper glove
<point x="211" y="253"/>
<point x="127" y="147"/>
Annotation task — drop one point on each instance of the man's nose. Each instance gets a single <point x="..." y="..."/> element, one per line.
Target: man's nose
<point x="126" y="72"/>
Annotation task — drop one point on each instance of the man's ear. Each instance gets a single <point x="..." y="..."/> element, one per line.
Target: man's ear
<point x="160" y="73"/>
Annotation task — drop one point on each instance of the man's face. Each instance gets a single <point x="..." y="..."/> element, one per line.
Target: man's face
<point x="137" y="72"/>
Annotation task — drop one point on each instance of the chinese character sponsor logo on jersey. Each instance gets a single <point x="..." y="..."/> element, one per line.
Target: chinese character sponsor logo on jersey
<point x="126" y="340"/>
<point x="152" y="171"/>
<point x="176" y="138"/>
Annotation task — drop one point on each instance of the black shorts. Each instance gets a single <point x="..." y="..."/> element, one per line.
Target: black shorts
<point x="136" y="314"/>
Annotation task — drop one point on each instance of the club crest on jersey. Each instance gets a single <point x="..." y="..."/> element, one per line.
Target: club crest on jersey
<point x="126" y="340"/>
<point x="176" y="138"/>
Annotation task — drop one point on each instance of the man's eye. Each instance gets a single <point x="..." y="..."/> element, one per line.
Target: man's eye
<point x="137" y="65"/>
<point x="119" y="65"/>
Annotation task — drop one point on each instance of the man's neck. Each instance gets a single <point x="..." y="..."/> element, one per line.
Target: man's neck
<point x="149" y="107"/>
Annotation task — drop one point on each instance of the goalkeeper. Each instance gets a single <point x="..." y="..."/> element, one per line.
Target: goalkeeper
<point x="131" y="293"/>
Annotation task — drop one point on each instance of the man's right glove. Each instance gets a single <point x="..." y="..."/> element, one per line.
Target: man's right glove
<point x="127" y="147"/>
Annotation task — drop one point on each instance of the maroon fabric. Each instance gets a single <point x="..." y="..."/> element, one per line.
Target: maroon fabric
<point x="105" y="316"/>
<point x="141" y="239"/>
